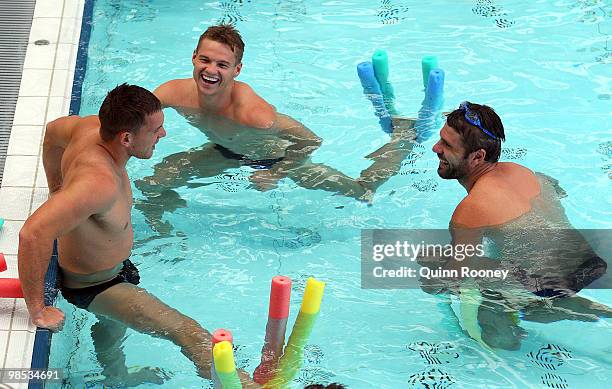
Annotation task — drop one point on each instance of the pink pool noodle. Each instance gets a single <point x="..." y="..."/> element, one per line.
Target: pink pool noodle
<point x="9" y="287"/>
<point x="220" y="335"/>
<point x="2" y="263"/>
<point x="280" y="294"/>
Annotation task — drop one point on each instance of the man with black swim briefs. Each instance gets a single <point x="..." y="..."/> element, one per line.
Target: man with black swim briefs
<point x="245" y="130"/>
<point x="89" y="213"/>
<point x="517" y="214"/>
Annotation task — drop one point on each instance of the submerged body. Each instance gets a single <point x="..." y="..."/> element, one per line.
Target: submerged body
<point x="89" y="213"/>
<point x="518" y="216"/>
<point x="245" y="130"/>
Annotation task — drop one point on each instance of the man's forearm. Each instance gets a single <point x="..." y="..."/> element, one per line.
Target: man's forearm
<point x="33" y="259"/>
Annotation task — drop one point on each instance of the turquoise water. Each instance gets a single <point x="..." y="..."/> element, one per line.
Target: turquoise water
<point x="545" y="66"/>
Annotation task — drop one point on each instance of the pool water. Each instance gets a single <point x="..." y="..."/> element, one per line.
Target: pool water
<point x="546" y="68"/>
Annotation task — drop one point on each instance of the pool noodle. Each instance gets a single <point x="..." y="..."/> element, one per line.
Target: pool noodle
<point x="3" y="266"/>
<point x="1" y="222"/>
<point x="280" y="296"/>
<point x="372" y="90"/>
<point x="428" y="63"/>
<point x="292" y="358"/>
<point x="469" y="302"/>
<point x="429" y="114"/>
<point x="219" y="335"/>
<point x="313" y="294"/>
<point x="380" y="62"/>
<point x="9" y="287"/>
<point x="223" y="357"/>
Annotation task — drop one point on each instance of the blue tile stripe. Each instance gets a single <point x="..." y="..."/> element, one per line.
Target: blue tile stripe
<point x="42" y="340"/>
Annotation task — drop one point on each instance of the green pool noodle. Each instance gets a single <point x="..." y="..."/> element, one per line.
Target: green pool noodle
<point x="427" y="63"/>
<point x="223" y="355"/>
<point x="380" y="61"/>
<point x="1" y="222"/>
<point x="471" y="299"/>
<point x="292" y="359"/>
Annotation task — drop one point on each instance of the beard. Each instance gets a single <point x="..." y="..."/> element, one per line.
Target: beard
<point x="453" y="171"/>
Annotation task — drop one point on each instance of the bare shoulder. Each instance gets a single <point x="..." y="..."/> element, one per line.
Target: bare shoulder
<point x="517" y="180"/>
<point x="62" y="130"/>
<point x="472" y="212"/>
<point x="174" y="92"/>
<point x="251" y="109"/>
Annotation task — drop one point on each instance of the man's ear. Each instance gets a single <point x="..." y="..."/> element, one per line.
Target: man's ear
<point x="193" y="57"/>
<point x="479" y="155"/>
<point x="238" y="69"/>
<point x="125" y="137"/>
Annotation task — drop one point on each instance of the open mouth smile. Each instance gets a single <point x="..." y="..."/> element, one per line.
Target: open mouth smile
<point x="209" y="80"/>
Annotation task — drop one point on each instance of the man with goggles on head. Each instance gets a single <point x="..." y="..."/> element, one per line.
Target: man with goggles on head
<point x="517" y="215"/>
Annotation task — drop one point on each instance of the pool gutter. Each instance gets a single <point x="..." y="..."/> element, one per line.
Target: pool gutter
<point x="42" y="341"/>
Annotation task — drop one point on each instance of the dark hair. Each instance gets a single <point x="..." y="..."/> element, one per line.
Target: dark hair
<point x="226" y="34"/>
<point x="473" y="137"/>
<point x="330" y="386"/>
<point x="125" y="109"/>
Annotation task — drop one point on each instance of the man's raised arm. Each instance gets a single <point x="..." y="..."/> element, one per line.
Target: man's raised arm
<point x="56" y="217"/>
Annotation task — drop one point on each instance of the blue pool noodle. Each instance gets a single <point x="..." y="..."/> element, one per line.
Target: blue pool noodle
<point x="372" y="90"/>
<point x="429" y="116"/>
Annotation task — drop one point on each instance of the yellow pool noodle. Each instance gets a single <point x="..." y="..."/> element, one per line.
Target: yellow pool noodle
<point x="291" y="361"/>
<point x="313" y="294"/>
<point x="223" y="355"/>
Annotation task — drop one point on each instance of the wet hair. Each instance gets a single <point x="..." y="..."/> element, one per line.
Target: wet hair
<point x="227" y="35"/>
<point x="330" y="386"/>
<point x="125" y="109"/>
<point x="473" y="137"/>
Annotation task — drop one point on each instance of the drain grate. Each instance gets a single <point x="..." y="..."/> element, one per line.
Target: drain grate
<point x="15" y="22"/>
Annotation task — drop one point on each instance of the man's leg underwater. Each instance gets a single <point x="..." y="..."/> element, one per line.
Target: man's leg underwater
<point x="107" y="336"/>
<point x="319" y="176"/>
<point x="143" y="312"/>
<point x="388" y="159"/>
<point x="387" y="162"/>
<point x="172" y="172"/>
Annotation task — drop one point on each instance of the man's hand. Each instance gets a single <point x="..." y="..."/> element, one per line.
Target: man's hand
<point x="265" y="180"/>
<point x="50" y="318"/>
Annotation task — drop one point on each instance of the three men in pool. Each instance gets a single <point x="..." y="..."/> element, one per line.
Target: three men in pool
<point x="519" y="214"/>
<point x="245" y="130"/>
<point x="89" y="212"/>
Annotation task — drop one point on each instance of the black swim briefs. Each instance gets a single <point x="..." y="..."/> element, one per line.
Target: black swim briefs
<point x="254" y="163"/>
<point x="586" y="273"/>
<point x="82" y="297"/>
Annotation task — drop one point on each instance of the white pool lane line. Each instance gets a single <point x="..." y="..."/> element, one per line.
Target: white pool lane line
<point x="44" y="95"/>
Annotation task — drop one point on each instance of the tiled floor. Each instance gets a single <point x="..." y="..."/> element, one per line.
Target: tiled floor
<point x="43" y="96"/>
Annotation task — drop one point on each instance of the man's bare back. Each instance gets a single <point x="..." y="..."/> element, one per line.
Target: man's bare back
<point x="499" y="196"/>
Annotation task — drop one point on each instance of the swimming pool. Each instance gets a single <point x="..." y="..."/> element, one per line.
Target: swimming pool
<point x="544" y="67"/>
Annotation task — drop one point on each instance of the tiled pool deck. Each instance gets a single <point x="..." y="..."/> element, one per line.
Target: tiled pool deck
<point x="44" y="95"/>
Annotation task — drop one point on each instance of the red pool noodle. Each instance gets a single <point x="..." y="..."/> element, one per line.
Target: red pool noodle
<point x="2" y="263"/>
<point x="220" y="335"/>
<point x="280" y="295"/>
<point x="10" y="288"/>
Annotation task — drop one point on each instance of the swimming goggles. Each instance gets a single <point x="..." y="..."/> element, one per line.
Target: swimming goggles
<point x="473" y="119"/>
